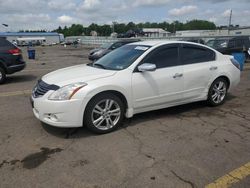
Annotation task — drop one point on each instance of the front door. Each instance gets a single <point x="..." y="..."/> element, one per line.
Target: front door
<point x="162" y="86"/>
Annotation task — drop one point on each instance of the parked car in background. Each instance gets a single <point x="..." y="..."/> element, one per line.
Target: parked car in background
<point x="132" y="33"/>
<point x="230" y="45"/>
<point x="196" y="40"/>
<point x="97" y="53"/>
<point x="11" y="59"/>
<point x="134" y="78"/>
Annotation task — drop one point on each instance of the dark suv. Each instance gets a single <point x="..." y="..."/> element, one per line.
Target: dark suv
<point x="97" y="53"/>
<point x="11" y="59"/>
<point x="230" y="45"/>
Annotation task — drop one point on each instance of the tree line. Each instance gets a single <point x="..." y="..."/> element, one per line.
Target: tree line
<point x="106" y="30"/>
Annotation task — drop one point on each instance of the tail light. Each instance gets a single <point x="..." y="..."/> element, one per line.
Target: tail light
<point x="15" y="51"/>
<point x="235" y="63"/>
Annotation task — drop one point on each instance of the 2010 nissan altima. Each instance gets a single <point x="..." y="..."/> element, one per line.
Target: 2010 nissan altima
<point x="135" y="78"/>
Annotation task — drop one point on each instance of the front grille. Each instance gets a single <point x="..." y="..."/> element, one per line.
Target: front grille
<point x="42" y="87"/>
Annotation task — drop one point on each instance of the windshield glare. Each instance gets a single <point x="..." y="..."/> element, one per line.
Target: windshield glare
<point x="122" y="57"/>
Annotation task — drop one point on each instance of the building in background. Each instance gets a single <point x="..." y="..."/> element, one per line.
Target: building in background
<point x="24" y="38"/>
<point x="218" y="32"/>
<point x="155" y="32"/>
<point x="234" y="31"/>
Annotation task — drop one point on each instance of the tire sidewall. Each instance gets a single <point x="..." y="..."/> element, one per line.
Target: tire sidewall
<point x="2" y="80"/>
<point x="210" y="100"/>
<point x="87" y="119"/>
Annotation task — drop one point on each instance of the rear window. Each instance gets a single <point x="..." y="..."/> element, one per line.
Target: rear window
<point x="5" y="43"/>
<point x="194" y="54"/>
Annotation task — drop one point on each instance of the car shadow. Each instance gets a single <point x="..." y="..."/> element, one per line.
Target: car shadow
<point x="19" y="78"/>
<point x="67" y="133"/>
<point x="197" y="107"/>
<point x="81" y="132"/>
<point x="163" y="113"/>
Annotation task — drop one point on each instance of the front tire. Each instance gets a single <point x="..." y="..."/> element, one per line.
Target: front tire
<point x="217" y="92"/>
<point x="2" y="76"/>
<point x="104" y="113"/>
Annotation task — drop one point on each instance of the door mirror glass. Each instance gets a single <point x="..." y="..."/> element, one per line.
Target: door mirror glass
<point x="147" y="67"/>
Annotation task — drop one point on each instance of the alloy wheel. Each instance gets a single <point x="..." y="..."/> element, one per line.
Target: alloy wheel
<point x="219" y="92"/>
<point x="106" y="114"/>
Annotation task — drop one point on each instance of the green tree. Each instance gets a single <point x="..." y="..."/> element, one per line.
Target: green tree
<point x="106" y="30"/>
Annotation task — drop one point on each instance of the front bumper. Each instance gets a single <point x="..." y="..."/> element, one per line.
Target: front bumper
<point x="58" y="113"/>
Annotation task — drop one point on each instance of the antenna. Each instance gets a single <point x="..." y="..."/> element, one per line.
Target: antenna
<point x="230" y="21"/>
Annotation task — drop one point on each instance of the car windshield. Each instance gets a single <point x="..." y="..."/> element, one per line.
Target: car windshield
<point x="217" y="43"/>
<point x="121" y="58"/>
<point x="106" y="45"/>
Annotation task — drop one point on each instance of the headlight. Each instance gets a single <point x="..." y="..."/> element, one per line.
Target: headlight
<point x="66" y="92"/>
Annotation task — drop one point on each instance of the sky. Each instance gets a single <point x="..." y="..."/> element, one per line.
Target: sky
<point x="50" y="14"/>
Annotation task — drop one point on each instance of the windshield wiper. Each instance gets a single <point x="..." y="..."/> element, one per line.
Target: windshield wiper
<point x="100" y="65"/>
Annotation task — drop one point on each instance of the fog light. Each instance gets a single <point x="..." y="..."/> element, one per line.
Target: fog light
<point x="36" y="111"/>
<point x="52" y="117"/>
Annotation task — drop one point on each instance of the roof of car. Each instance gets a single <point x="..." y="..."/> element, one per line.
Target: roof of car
<point x="230" y="38"/>
<point x="129" y="40"/>
<point x="161" y="42"/>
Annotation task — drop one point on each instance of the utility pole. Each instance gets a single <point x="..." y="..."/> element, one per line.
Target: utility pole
<point x="113" y="27"/>
<point x="230" y="21"/>
<point x="174" y="31"/>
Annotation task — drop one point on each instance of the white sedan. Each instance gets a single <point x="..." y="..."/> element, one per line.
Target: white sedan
<point x="135" y="78"/>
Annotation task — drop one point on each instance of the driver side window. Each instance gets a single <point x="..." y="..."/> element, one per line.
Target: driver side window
<point x="163" y="57"/>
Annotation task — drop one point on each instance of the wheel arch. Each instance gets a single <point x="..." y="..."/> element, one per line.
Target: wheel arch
<point x="225" y="78"/>
<point x="117" y="93"/>
<point x="2" y="65"/>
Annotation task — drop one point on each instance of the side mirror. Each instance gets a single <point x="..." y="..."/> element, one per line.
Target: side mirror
<point x="147" y="67"/>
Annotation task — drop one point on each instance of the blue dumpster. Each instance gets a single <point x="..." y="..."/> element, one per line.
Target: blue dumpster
<point x="240" y="57"/>
<point x="31" y="53"/>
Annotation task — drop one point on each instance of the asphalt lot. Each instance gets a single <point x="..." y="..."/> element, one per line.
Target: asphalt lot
<point x="186" y="146"/>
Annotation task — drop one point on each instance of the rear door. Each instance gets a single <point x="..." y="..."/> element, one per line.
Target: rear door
<point x="199" y="67"/>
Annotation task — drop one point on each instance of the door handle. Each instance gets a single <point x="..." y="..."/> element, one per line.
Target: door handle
<point x="213" y="68"/>
<point x="177" y="75"/>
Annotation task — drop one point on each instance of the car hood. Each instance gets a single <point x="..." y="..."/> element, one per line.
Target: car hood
<point x="78" y="73"/>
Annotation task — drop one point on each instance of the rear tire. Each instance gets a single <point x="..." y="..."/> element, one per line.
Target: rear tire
<point x="217" y="92"/>
<point x="104" y="113"/>
<point x="2" y="76"/>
